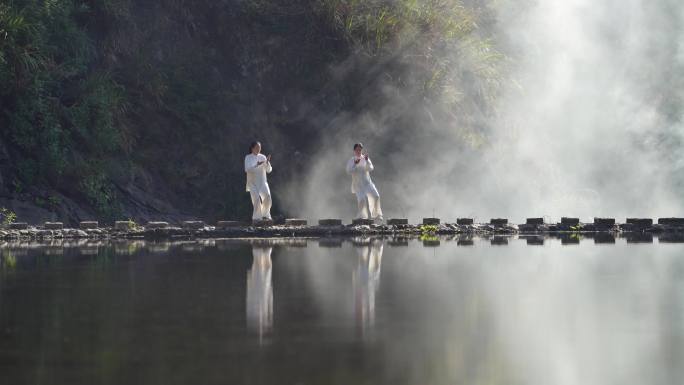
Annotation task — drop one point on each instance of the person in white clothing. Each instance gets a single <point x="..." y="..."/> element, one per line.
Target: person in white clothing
<point x="257" y="165"/>
<point x="367" y="196"/>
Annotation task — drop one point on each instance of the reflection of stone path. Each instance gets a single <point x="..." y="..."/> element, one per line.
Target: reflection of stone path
<point x="260" y="292"/>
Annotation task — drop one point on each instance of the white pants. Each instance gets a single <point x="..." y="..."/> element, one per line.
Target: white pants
<point x="368" y="200"/>
<point x="261" y="200"/>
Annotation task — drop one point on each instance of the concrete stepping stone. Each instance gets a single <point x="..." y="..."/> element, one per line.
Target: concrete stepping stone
<point x="53" y="225"/>
<point x="397" y="221"/>
<point x="671" y="221"/>
<point x="295" y="222"/>
<point x="569" y="221"/>
<point x="226" y="224"/>
<point x="604" y="221"/>
<point x="640" y="222"/>
<point x="124" y="225"/>
<point x="157" y="225"/>
<point x="263" y="222"/>
<point x="330" y="222"/>
<point x="192" y="225"/>
<point x="362" y="222"/>
<point x="431" y="221"/>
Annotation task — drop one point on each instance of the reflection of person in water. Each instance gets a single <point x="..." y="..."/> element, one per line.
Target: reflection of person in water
<point x="260" y="292"/>
<point x="366" y="281"/>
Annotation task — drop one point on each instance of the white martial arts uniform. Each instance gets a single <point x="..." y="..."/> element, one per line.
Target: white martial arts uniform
<point x="257" y="185"/>
<point x="367" y="195"/>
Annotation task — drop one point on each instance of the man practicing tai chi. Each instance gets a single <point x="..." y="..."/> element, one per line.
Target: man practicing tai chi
<point x="367" y="196"/>
<point x="256" y="167"/>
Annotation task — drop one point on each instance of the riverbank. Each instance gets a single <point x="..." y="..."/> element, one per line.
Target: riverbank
<point x="330" y="227"/>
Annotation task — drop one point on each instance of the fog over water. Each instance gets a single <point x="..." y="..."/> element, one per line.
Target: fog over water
<point x="588" y="123"/>
<point x="338" y="311"/>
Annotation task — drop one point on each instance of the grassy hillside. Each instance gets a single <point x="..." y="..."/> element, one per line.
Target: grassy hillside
<point x="128" y="108"/>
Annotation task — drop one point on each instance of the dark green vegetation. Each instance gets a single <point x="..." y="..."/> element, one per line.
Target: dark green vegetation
<point x="129" y="108"/>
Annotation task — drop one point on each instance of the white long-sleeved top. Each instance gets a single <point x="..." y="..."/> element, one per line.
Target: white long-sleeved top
<point x="360" y="173"/>
<point x="256" y="173"/>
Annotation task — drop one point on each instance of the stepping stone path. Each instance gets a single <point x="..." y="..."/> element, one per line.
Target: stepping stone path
<point x="86" y="225"/>
<point x="534" y="221"/>
<point x="567" y="221"/>
<point x="192" y="225"/>
<point x="124" y="225"/>
<point x="397" y="221"/>
<point x="295" y="222"/>
<point x="330" y="222"/>
<point x="157" y="225"/>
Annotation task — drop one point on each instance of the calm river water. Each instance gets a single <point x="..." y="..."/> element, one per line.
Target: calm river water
<point x="353" y="311"/>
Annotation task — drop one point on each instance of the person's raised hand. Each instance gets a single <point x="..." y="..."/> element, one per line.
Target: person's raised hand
<point x="365" y="156"/>
<point x="268" y="158"/>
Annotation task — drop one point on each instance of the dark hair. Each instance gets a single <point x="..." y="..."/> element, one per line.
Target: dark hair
<point x="251" y="146"/>
<point x="355" y="145"/>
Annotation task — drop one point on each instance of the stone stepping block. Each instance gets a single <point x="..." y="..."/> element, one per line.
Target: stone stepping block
<point x="397" y="221"/>
<point x="157" y="225"/>
<point x="535" y="241"/>
<point x="53" y="225"/>
<point x="295" y="222"/>
<point x="465" y="242"/>
<point x="570" y="241"/>
<point x="604" y="221"/>
<point x="498" y="221"/>
<point x="464" y="221"/>
<point x="330" y="222"/>
<point x="192" y="225"/>
<point x="640" y="222"/>
<point x="499" y="241"/>
<point x="534" y="221"/>
<point x="263" y="222"/>
<point x="671" y="221"/>
<point x="431" y="221"/>
<point x="226" y="224"/>
<point x="362" y="222"/>
<point x="18" y="226"/>
<point x="85" y="225"/>
<point x="124" y="225"/>
<point x="568" y="221"/>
